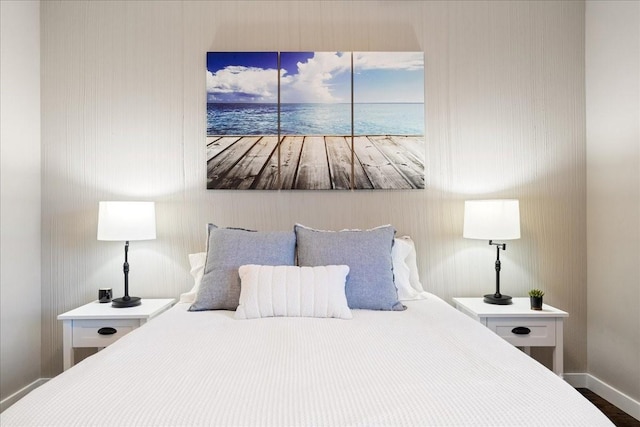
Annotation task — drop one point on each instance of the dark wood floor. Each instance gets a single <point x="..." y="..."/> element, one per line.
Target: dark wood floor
<point x="617" y="416"/>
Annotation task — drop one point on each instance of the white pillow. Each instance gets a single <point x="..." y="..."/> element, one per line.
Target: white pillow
<point x="197" y="271"/>
<point x="405" y="270"/>
<point x="284" y="290"/>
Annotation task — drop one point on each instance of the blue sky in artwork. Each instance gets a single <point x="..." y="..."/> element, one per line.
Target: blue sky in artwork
<point x="315" y="77"/>
<point x="220" y="60"/>
<point x="388" y="77"/>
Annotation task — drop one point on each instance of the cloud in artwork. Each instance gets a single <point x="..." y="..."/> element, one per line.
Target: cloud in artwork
<point x="242" y="84"/>
<point x="406" y="61"/>
<point x="322" y="78"/>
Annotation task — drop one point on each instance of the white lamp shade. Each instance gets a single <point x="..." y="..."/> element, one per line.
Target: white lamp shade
<point x="126" y="221"/>
<point x="492" y="219"/>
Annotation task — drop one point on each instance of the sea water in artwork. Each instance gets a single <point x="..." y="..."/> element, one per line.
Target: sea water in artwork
<point x="315" y="119"/>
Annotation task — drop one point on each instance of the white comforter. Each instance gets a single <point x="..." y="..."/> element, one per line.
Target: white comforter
<point x="428" y="365"/>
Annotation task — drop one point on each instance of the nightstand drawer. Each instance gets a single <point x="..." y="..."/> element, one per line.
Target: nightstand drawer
<point x="85" y="332"/>
<point x="525" y="332"/>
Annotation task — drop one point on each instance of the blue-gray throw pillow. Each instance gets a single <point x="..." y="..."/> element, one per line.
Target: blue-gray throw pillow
<point x="227" y="250"/>
<point x="367" y="253"/>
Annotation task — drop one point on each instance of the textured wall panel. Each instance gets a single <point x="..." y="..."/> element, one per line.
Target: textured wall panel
<point x="20" y="197"/>
<point x="613" y="189"/>
<point x="124" y="118"/>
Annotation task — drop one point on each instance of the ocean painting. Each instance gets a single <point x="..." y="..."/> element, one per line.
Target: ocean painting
<point x="315" y="120"/>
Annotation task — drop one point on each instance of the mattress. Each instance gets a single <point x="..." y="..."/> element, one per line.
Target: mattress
<point x="427" y="365"/>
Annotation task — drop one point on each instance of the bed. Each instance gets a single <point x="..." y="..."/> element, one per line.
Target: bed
<point x="422" y="364"/>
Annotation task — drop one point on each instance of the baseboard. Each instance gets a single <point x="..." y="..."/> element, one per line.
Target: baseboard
<point x="576" y="380"/>
<point x="604" y="390"/>
<point x="5" y="403"/>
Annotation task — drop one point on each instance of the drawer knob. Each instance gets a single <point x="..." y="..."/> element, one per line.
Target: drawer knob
<point x="521" y="330"/>
<point x="107" y="331"/>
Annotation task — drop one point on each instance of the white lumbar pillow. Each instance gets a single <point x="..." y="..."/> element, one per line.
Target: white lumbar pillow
<point x="270" y="291"/>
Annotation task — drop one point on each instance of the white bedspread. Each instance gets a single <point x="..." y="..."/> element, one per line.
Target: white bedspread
<point x="428" y="365"/>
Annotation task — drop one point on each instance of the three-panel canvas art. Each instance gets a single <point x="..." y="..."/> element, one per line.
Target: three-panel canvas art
<point x="315" y="120"/>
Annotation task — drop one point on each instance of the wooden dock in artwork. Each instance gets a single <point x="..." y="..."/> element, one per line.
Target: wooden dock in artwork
<point x="315" y="162"/>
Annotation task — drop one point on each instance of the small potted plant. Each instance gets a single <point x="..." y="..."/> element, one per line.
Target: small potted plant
<point x="535" y="296"/>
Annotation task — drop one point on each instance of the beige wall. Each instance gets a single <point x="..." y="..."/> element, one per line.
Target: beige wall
<point x="19" y="195"/>
<point x="123" y="101"/>
<point x="613" y="193"/>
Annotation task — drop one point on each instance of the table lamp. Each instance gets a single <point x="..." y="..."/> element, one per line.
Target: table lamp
<point x="493" y="220"/>
<point x="125" y="221"/>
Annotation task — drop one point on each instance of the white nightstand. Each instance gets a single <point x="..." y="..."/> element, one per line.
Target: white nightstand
<point x="99" y="324"/>
<point x="520" y="325"/>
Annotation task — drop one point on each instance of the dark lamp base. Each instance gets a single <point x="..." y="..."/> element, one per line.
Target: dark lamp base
<point x="501" y="300"/>
<point x="126" y="302"/>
